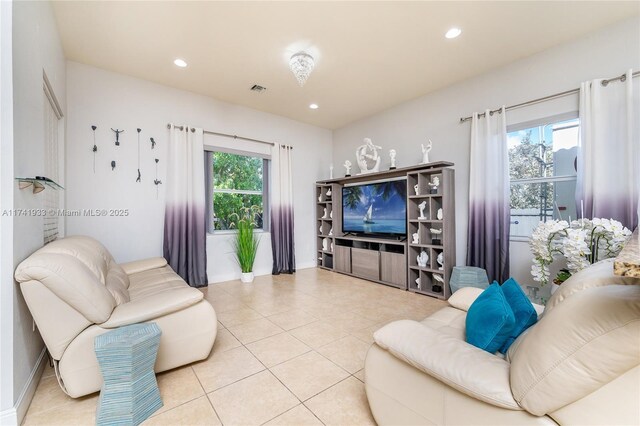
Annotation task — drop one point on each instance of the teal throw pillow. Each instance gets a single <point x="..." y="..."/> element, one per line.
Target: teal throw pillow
<point x="523" y="311"/>
<point x="490" y="320"/>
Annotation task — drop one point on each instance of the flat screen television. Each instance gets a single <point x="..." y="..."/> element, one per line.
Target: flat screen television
<point x="375" y="208"/>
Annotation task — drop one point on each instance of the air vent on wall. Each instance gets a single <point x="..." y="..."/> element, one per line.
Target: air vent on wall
<point x="258" y="88"/>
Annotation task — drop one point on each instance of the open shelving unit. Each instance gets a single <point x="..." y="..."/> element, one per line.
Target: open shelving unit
<point x="386" y="261"/>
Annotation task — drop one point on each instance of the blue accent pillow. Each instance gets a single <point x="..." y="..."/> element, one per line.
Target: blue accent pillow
<point x="523" y="310"/>
<point x="490" y="320"/>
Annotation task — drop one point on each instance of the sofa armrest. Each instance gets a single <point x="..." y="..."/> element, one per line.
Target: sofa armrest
<point x="454" y="362"/>
<point x="154" y="306"/>
<point x="143" y="265"/>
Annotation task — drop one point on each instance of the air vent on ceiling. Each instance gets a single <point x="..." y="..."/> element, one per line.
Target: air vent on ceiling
<point x="258" y="88"/>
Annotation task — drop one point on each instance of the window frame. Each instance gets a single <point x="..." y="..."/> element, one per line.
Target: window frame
<point x="210" y="189"/>
<point x="573" y="115"/>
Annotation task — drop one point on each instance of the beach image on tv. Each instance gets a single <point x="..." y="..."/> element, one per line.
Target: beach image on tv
<point x="378" y="208"/>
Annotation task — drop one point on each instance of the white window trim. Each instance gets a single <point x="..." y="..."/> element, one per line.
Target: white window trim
<point x="266" y="193"/>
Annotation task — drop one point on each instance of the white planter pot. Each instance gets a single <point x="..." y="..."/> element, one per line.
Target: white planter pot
<point x="246" y="277"/>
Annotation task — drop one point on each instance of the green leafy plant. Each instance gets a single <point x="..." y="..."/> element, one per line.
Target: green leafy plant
<point x="246" y="240"/>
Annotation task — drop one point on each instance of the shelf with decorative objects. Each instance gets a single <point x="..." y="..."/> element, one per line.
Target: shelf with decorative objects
<point x="325" y="223"/>
<point x="431" y="231"/>
<point x="39" y="183"/>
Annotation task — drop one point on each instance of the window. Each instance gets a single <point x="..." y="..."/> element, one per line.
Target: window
<point x="236" y="182"/>
<point x="542" y="173"/>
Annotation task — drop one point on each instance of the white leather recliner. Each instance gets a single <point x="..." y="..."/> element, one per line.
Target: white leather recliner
<point x="579" y="364"/>
<point x="76" y="291"/>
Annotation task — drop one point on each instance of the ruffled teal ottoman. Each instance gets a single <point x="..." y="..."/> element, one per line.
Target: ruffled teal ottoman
<point x="129" y="393"/>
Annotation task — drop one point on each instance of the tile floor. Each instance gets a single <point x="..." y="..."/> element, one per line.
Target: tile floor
<point x="289" y="351"/>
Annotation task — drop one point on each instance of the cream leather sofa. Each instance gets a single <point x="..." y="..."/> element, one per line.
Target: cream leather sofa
<point x="579" y="364"/>
<point x="76" y="291"/>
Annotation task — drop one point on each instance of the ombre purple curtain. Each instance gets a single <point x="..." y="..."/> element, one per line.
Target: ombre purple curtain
<point x="488" y="234"/>
<point x="282" y="238"/>
<point x="184" y="218"/>
<point x="608" y="182"/>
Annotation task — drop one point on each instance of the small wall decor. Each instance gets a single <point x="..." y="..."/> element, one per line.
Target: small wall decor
<point x="117" y="135"/>
<point x="434" y="184"/>
<point x="139" y="178"/>
<point x="157" y="181"/>
<point x="425" y="152"/>
<point x="347" y="165"/>
<point x="422" y="206"/>
<point x="392" y="156"/>
<point x="95" y="147"/>
<point x="422" y="259"/>
<point x="113" y="165"/>
<point x="153" y="143"/>
<point x="365" y="153"/>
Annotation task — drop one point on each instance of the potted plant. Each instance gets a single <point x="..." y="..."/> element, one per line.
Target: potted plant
<point x="246" y="242"/>
<point x="582" y="243"/>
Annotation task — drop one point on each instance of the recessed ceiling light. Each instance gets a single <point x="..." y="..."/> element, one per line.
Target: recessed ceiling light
<point x="180" y="62"/>
<point x="453" y="33"/>
<point x="313" y="106"/>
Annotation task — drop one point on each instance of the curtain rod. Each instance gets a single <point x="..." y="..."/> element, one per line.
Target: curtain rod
<point x="226" y="135"/>
<point x="622" y="77"/>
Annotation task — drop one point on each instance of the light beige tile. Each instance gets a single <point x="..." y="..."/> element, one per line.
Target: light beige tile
<point x="227" y="367"/>
<point x="252" y="401"/>
<point x="277" y="349"/>
<point x="238" y="316"/>
<point x="348" y="352"/>
<point x="366" y="334"/>
<point x="81" y="411"/>
<point x="359" y="375"/>
<point x="292" y="319"/>
<point x="342" y="404"/>
<point x="254" y="330"/>
<point x="349" y="321"/>
<point x="308" y="374"/>
<point x="48" y="370"/>
<point x="177" y="387"/>
<point x="48" y="395"/>
<point x="225" y="341"/>
<point x="194" y="413"/>
<point x="272" y="307"/>
<point x="318" y="333"/>
<point x="297" y="416"/>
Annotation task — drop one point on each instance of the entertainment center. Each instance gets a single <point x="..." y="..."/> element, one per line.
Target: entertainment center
<point x="395" y="227"/>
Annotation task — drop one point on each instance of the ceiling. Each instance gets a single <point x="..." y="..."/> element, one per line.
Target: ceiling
<point x="370" y="56"/>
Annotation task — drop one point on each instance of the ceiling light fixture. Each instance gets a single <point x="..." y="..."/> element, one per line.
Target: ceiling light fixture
<point x="453" y="33"/>
<point x="313" y="106"/>
<point x="180" y="63"/>
<point x="301" y="65"/>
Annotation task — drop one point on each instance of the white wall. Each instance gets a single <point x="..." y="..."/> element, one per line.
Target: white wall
<point x="106" y="99"/>
<point x="36" y="49"/>
<point x="608" y="52"/>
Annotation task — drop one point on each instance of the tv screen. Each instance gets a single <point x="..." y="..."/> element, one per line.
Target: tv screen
<point x="375" y="208"/>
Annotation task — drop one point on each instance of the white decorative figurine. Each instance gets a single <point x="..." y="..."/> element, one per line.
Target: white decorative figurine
<point x="416" y="238"/>
<point x="329" y="192"/>
<point x="440" y="260"/>
<point x="425" y="152"/>
<point x="331" y="247"/>
<point x="325" y="244"/>
<point x="422" y="206"/>
<point x="320" y="229"/>
<point x="364" y="153"/>
<point x="331" y="171"/>
<point x="438" y="278"/>
<point x="392" y="155"/>
<point x="439" y="214"/>
<point x="418" y="283"/>
<point x="331" y="231"/>
<point x="422" y="259"/>
<point x="434" y="184"/>
<point x="324" y="216"/>
<point x="320" y="198"/>
<point x="435" y="240"/>
<point x="331" y="214"/>
<point x="416" y="188"/>
<point x="347" y="165"/>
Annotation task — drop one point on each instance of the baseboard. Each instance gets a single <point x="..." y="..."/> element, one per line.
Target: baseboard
<point x="15" y="415"/>
<point x="236" y="275"/>
<point x="306" y="265"/>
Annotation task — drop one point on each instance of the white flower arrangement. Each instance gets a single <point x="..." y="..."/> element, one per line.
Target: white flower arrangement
<point x="582" y="242"/>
